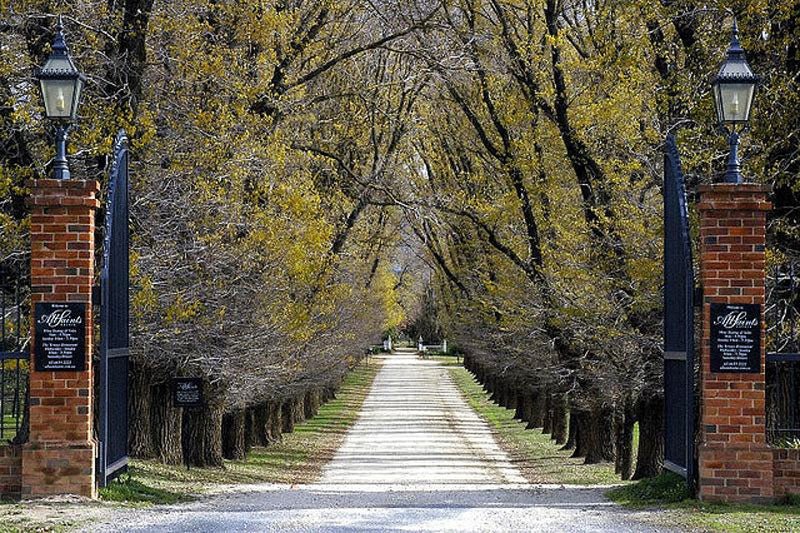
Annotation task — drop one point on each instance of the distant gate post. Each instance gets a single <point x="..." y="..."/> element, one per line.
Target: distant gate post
<point x="735" y="463"/>
<point x="59" y="457"/>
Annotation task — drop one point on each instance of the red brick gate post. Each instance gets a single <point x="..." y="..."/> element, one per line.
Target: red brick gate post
<point x="59" y="457"/>
<point x="735" y="463"/>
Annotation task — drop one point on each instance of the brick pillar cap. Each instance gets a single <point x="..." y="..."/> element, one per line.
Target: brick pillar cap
<point x="48" y="183"/>
<point x="64" y="193"/>
<point x="735" y="187"/>
<point x="734" y="197"/>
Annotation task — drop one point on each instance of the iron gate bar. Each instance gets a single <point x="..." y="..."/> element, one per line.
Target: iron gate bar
<point x="114" y="314"/>
<point x="679" y="289"/>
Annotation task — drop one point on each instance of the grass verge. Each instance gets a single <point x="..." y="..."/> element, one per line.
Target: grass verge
<point x="446" y="360"/>
<point x="669" y="491"/>
<point x="298" y="458"/>
<point x="539" y="459"/>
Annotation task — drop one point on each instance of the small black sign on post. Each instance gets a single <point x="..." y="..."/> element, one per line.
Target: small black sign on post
<point x="187" y="392"/>
<point x="736" y="338"/>
<point x="60" y="336"/>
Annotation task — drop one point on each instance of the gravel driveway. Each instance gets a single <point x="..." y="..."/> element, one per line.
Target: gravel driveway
<point x="418" y="459"/>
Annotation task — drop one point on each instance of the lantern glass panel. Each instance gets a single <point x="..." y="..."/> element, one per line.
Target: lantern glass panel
<point x="718" y="104"/>
<point x="77" y="98"/>
<point x="58" y="97"/>
<point x="735" y="100"/>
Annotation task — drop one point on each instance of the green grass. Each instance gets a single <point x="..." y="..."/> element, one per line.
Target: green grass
<point x="9" y="427"/>
<point x="669" y="491"/>
<point x="127" y="488"/>
<point x="298" y="458"/>
<point x="539" y="459"/>
<point x="666" y="488"/>
<point x="446" y="360"/>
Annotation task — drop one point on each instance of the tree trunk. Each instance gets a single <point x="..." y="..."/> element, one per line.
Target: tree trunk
<point x="274" y="422"/>
<point x="167" y="423"/>
<point x="572" y="433"/>
<point x="625" y="422"/>
<point x="330" y="393"/>
<point x="249" y="429"/>
<point x="261" y="424"/>
<point x="308" y="405"/>
<point x="592" y="440"/>
<point x="519" y="400"/>
<point x="494" y="388"/>
<point x="299" y="409"/>
<point x="511" y="398"/>
<point x="140" y="436"/>
<point x="547" y="413"/>
<point x="202" y="436"/>
<point x="608" y="433"/>
<point x="527" y="406"/>
<point x="581" y="431"/>
<point x="619" y="428"/>
<point x="559" y="433"/>
<point x="233" y="435"/>
<point x="600" y="436"/>
<point x="650" y="458"/>
<point x="287" y="416"/>
<point x="537" y="410"/>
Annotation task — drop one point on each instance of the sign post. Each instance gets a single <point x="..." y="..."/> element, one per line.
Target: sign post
<point x="187" y="392"/>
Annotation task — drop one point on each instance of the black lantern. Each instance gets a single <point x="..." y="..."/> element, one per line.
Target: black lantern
<point x="734" y="89"/>
<point x="61" y="84"/>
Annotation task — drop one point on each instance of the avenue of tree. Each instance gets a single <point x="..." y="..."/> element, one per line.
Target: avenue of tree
<point x="299" y="165"/>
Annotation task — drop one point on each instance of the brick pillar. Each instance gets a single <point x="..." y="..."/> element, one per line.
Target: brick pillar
<point x="59" y="457"/>
<point x="735" y="464"/>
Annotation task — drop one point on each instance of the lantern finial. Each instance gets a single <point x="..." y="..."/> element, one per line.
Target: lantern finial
<point x="735" y="50"/>
<point x="59" y="42"/>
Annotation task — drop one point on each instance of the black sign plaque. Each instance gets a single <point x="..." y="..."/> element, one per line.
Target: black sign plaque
<point x="60" y="336"/>
<point x="736" y="338"/>
<point x="187" y="392"/>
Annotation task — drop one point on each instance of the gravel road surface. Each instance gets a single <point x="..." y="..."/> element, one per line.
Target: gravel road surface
<point x="418" y="459"/>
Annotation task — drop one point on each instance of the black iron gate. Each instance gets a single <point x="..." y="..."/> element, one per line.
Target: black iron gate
<point x="783" y="354"/>
<point x="14" y="339"/>
<point x="113" y="370"/>
<point x="678" y="321"/>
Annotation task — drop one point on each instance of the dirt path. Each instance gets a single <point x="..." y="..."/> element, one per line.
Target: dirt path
<point x="418" y="459"/>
